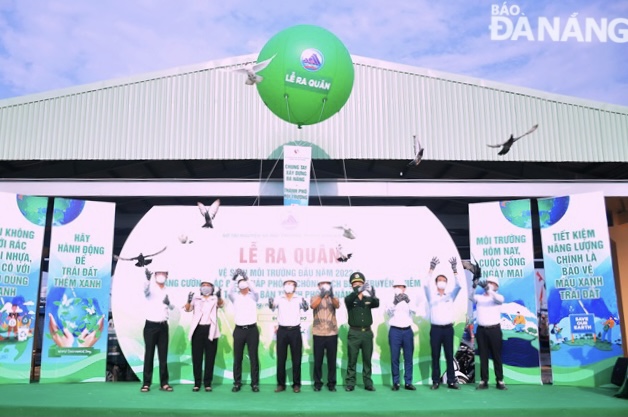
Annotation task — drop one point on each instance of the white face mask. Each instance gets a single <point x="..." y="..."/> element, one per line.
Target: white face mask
<point x="243" y="285"/>
<point x="288" y="288"/>
<point x="398" y="290"/>
<point x="441" y="285"/>
<point x="325" y="287"/>
<point x="160" y="278"/>
<point x="207" y="290"/>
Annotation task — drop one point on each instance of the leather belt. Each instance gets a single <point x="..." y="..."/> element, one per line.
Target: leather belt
<point x="492" y="326"/>
<point x="290" y="327"/>
<point x="400" y="328"/>
<point x="360" y="329"/>
<point x="246" y="326"/>
<point x="443" y="326"/>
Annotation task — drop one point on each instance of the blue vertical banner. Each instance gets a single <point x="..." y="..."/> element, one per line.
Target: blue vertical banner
<point x="500" y="236"/>
<point x="22" y="226"/>
<point x="585" y="335"/>
<point x="74" y="346"/>
<point x="296" y="175"/>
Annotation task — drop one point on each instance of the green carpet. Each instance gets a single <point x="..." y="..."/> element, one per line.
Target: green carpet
<point x="125" y="399"/>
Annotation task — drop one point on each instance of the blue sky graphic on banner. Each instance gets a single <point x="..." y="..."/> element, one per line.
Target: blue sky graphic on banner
<point x="582" y="302"/>
<point x="74" y="346"/>
<point x="22" y="221"/>
<point x="500" y="235"/>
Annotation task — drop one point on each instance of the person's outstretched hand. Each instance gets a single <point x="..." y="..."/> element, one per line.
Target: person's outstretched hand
<point x="89" y="339"/>
<point x="61" y="338"/>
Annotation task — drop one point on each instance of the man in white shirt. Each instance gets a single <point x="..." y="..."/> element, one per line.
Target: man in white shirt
<point x="400" y="334"/>
<point x="244" y="296"/>
<point x="156" y="332"/>
<point x="489" y="332"/>
<point x="289" y="307"/>
<point x="441" y="308"/>
<point x="204" y="332"/>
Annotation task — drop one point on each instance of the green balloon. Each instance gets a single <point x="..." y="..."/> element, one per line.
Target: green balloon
<point x="309" y="77"/>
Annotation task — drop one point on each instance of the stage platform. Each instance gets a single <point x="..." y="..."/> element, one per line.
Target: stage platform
<point x="125" y="399"/>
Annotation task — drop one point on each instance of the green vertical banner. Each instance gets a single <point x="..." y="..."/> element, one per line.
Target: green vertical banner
<point x="296" y="175"/>
<point x="22" y="226"/>
<point x="74" y="346"/>
<point x="500" y="236"/>
<point x="585" y="334"/>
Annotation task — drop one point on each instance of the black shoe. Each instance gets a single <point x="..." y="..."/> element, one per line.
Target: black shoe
<point x="501" y="386"/>
<point x="349" y="388"/>
<point x="453" y="386"/>
<point x="280" y="388"/>
<point x="317" y="388"/>
<point x="332" y="388"/>
<point x="236" y="388"/>
<point x="255" y="388"/>
<point x="395" y="387"/>
<point x="482" y="385"/>
<point x="435" y="385"/>
<point x="410" y="387"/>
<point x="370" y="388"/>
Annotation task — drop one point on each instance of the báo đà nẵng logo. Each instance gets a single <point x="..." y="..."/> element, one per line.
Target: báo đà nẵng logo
<point x="510" y="22"/>
<point x="312" y="59"/>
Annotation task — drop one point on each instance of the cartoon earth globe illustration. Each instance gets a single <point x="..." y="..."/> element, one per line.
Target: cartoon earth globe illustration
<point x="517" y="212"/>
<point x="33" y="208"/>
<point x="551" y="210"/>
<point x="66" y="210"/>
<point x="73" y="312"/>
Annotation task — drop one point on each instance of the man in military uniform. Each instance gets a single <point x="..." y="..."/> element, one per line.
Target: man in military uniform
<point x="359" y="304"/>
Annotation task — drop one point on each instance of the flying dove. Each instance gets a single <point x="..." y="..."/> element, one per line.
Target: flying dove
<point x="209" y="213"/>
<point x="418" y="156"/>
<point x="142" y="260"/>
<point x="251" y="71"/>
<point x="507" y="145"/>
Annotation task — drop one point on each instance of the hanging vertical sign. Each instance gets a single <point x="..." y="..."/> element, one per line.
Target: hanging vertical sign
<point x="585" y="335"/>
<point x="22" y="226"/>
<point x="296" y="175"/>
<point x="74" y="346"/>
<point x="500" y="236"/>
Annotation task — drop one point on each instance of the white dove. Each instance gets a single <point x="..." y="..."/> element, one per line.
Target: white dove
<point x="251" y="71"/>
<point x="209" y="213"/>
<point x="341" y="256"/>
<point x="347" y="232"/>
<point x="418" y="156"/>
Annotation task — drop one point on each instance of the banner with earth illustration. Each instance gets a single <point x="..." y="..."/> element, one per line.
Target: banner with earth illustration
<point x="74" y="347"/>
<point x="500" y="236"/>
<point x="304" y="243"/>
<point x="585" y="334"/>
<point x="22" y="227"/>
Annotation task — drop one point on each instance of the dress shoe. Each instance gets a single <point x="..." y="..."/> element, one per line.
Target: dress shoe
<point x="236" y="388"/>
<point x="410" y="387"/>
<point x="482" y="385"/>
<point x="501" y="386"/>
<point x="255" y="388"/>
<point x="280" y="388"/>
<point x="370" y="388"/>
<point x="317" y="388"/>
<point x="332" y="388"/>
<point x="453" y="386"/>
<point x="296" y="389"/>
<point x="435" y="385"/>
<point x="349" y="388"/>
<point x="395" y="387"/>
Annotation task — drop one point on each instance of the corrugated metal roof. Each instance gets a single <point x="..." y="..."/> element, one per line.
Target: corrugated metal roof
<point x="207" y="112"/>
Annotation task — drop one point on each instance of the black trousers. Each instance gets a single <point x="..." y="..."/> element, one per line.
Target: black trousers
<point x="325" y="346"/>
<point x="203" y="348"/>
<point x="249" y="336"/>
<point x="156" y="336"/>
<point x="442" y="336"/>
<point x="490" y="341"/>
<point x="289" y="337"/>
